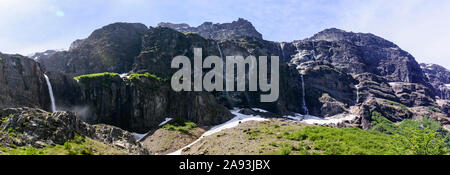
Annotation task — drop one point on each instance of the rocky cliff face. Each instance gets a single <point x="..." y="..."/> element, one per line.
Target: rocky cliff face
<point x="241" y="27"/>
<point x="440" y="79"/>
<point x="22" y="83"/>
<point x="341" y="70"/>
<point x="358" y="53"/>
<point x="140" y="104"/>
<point x="111" y="48"/>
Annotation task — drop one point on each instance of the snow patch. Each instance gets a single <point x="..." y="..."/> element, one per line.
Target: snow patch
<point x="313" y="120"/>
<point x="124" y="75"/>
<point x="260" y="110"/>
<point x="165" y="121"/>
<point x="138" y="136"/>
<point x="240" y="118"/>
<point x="447" y="85"/>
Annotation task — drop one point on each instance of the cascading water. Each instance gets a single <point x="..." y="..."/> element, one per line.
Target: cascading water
<point x="50" y="91"/>
<point x="282" y="50"/>
<point x="226" y="92"/>
<point x="305" y="108"/>
<point x="357" y="93"/>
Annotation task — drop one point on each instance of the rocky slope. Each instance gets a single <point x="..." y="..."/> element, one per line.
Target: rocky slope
<point x="22" y="127"/>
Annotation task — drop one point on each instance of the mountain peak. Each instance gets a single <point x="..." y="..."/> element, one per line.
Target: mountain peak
<point x="240" y="27"/>
<point x="335" y="34"/>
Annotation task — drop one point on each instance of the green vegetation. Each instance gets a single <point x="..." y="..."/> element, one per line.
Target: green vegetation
<point x="5" y="118"/>
<point x="180" y="125"/>
<point x="434" y="109"/>
<point x="106" y="76"/>
<point x="1" y="59"/>
<point x="136" y="77"/>
<point x="79" y="145"/>
<point x="96" y="75"/>
<point x="347" y="141"/>
<point x="423" y="137"/>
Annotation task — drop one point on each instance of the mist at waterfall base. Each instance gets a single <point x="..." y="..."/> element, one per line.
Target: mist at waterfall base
<point x="83" y="112"/>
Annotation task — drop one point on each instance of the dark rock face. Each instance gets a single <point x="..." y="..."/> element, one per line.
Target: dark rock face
<point x="39" y="128"/>
<point x="358" y="53"/>
<point x="241" y="27"/>
<point x="140" y="105"/>
<point x="328" y="91"/>
<point x="67" y="92"/>
<point x="22" y="83"/>
<point x="393" y="111"/>
<point x="412" y="94"/>
<point x="440" y="79"/>
<point x="375" y="86"/>
<point x="160" y="45"/>
<point x="111" y="48"/>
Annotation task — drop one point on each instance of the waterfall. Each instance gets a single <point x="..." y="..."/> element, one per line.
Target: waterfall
<point x="282" y="50"/>
<point x="226" y="92"/>
<point x="50" y="91"/>
<point x="357" y="93"/>
<point x="305" y="108"/>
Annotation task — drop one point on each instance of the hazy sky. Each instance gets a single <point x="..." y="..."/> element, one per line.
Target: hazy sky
<point x="421" y="27"/>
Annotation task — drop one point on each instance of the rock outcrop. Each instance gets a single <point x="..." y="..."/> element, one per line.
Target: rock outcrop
<point x="440" y="79"/>
<point x="38" y="128"/>
<point x="22" y="83"/>
<point x="412" y="94"/>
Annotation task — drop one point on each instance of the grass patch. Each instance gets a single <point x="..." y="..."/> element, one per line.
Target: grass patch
<point x="136" y="77"/>
<point x="96" y="75"/>
<point x="180" y="125"/>
<point x="106" y="76"/>
<point x="5" y="118"/>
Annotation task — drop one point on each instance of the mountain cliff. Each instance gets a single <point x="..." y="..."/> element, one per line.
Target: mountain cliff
<point x="120" y="75"/>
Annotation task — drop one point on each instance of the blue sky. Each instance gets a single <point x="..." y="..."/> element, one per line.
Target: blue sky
<point x="420" y="27"/>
